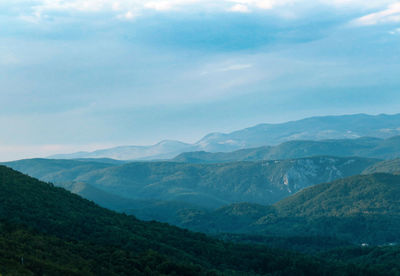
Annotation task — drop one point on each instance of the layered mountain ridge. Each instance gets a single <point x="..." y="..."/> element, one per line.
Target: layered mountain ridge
<point x="314" y="128"/>
<point x="363" y="147"/>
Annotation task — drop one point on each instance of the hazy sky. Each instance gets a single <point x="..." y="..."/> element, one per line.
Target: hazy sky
<point x="87" y="74"/>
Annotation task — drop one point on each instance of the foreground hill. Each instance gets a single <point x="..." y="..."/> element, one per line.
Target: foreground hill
<point x="207" y="185"/>
<point x="360" y="209"/>
<point x="48" y="231"/>
<point x="364" y="147"/>
<point x="314" y="128"/>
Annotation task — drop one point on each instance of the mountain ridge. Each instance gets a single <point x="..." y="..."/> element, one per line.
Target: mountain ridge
<point x="368" y="147"/>
<point x="312" y="128"/>
<point x="263" y="182"/>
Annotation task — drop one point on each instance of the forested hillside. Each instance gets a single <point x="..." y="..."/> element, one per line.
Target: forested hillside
<point x="387" y="166"/>
<point x="48" y="230"/>
<point x="358" y="209"/>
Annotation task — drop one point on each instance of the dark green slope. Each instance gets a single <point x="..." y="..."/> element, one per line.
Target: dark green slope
<point x="363" y="147"/>
<point x="103" y="198"/>
<point x="383" y="260"/>
<point x="358" y="209"/>
<point x="367" y="194"/>
<point x="172" y="212"/>
<point x="24" y="251"/>
<point x="361" y="209"/>
<point x="53" y="224"/>
<point x="233" y="218"/>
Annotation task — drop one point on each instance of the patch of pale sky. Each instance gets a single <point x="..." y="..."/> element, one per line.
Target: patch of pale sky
<point x="226" y="68"/>
<point x="9" y="59"/>
<point x="235" y="67"/>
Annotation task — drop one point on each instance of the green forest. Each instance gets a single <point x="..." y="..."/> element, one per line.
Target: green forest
<point x="47" y="230"/>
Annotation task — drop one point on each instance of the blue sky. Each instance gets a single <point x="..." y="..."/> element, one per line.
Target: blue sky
<point x="88" y="74"/>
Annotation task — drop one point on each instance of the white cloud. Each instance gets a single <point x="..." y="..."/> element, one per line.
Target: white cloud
<point x="104" y="5"/>
<point x="239" y="8"/>
<point x="43" y="7"/>
<point x="263" y="4"/>
<point x="282" y="4"/>
<point x="116" y="6"/>
<point x="129" y="15"/>
<point x="389" y="15"/>
<point x="361" y="4"/>
<point x="78" y="5"/>
<point x="165" y="5"/>
<point x="159" y="6"/>
<point x="395" y="31"/>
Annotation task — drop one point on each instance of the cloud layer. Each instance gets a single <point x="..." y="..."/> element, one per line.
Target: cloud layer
<point x="129" y="9"/>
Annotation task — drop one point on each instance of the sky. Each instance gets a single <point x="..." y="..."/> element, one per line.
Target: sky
<point x="90" y="74"/>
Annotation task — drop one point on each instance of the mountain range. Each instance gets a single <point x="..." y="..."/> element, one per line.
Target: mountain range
<point x="363" y="147"/>
<point x="314" y="128"/>
<point x="352" y="209"/>
<point x="206" y="185"/>
<point x="324" y="187"/>
<point x="173" y="191"/>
